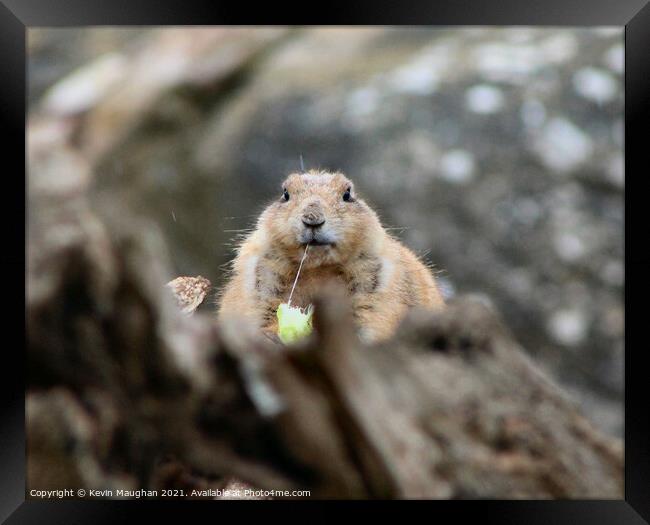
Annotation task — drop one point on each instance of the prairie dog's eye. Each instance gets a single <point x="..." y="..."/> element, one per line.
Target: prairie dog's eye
<point x="285" y="195"/>
<point x="346" y="196"/>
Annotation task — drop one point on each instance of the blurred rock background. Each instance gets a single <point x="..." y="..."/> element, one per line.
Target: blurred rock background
<point x="496" y="153"/>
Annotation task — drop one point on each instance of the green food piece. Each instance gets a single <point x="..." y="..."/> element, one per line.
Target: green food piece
<point x="293" y="323"/>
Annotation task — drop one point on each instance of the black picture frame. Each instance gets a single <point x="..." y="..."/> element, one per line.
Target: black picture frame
<point x="18" y="15"/>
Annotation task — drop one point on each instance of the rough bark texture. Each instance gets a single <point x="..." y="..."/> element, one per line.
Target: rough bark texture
<point x="124" y="391"/>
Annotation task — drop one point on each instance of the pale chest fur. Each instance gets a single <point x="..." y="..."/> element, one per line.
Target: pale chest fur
<point x="269" y="281"/>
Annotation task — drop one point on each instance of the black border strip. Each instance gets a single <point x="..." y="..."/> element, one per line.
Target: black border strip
<point x="377" y="12"/>
<point x="637" y="261"/>
<point x="448" y="12"/>
<point x="12" y="260"/>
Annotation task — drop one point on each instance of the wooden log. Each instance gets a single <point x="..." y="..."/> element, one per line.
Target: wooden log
<point x="125" y="390"/>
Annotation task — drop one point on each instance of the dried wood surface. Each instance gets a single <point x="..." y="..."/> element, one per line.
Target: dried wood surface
<point x="124" y="391"/>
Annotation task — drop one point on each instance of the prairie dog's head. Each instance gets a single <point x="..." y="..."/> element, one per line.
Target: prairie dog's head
<point x="320" y="209"/>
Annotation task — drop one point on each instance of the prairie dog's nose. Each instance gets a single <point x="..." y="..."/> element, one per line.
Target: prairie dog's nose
<point x="312" y="216"/>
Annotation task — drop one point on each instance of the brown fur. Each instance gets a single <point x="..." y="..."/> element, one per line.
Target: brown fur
<point x="383" y="278"/>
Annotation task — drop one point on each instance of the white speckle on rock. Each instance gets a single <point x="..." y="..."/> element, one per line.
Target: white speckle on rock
<point x="614" y="58"/>
<point x="424" y="73"/>
<point x="416" y="79"/>
<point x="595" y="84"/>
<point x="562" y="146"/>
<point x="559" y="48"/>
<point x="484" y="98"/>
<point x="457" y="166"/>
<point x="568" y="327"/>
<point x="569" y="246"/>
<point x="507" y="63"/>
<point x="533" y="113"/>
<point x="363" y="101"/>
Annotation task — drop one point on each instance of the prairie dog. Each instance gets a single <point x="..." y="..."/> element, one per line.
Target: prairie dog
<point x="347" y="244"/>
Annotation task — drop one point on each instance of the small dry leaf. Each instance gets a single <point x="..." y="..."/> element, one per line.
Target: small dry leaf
<point x="190" y="292"/>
